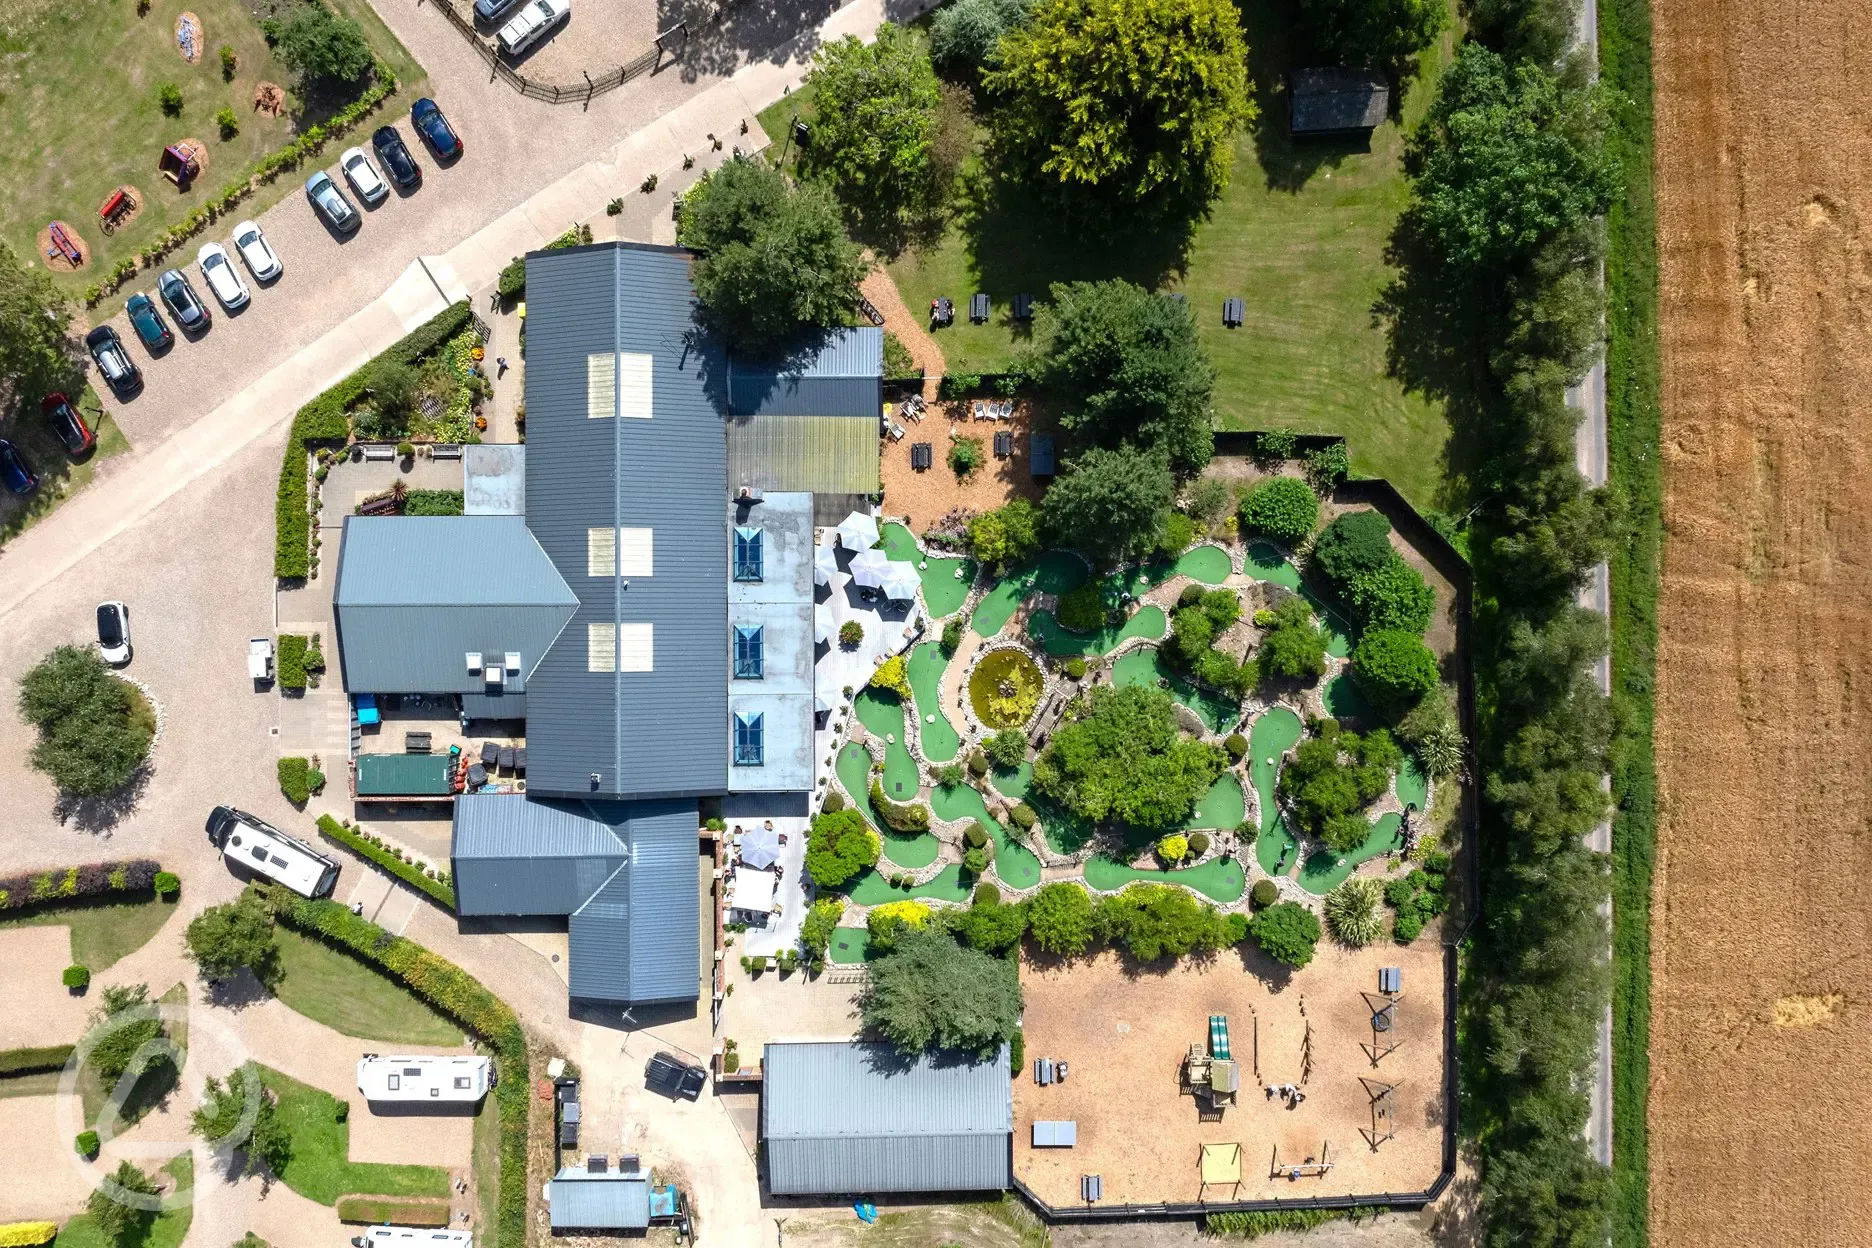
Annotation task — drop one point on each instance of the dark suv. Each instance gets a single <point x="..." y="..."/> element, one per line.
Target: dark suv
<point x="673" y="1077"/>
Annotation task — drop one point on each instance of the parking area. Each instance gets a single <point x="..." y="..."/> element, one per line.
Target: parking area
<point x="596" y="38"/>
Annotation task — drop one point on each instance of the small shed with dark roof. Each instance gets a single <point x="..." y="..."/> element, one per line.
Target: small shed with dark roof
<point x="1336" y="101"/>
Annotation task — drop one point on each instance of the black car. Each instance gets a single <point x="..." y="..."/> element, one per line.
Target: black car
<point x="147" y="320"/>
<point x="19" y="478"/>
<point x="673" y="1077"/>
<point x="107" y="352"/>
<point x="435" y="129"/>
<point x="491" y="11"/>
<point x="189" y="311"/>
<point x="396" y="158"/>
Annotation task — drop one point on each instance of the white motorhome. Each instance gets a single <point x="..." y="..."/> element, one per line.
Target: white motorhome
<point x="412" y="1237"/>
<point x="433" y="1080"/>
<point x="265" y="850"/>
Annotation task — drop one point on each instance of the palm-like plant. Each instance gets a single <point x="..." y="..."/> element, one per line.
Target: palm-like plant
<point x="1352" y="911"/>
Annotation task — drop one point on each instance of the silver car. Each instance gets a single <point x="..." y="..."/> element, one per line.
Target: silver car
<point x="329" y="202"/>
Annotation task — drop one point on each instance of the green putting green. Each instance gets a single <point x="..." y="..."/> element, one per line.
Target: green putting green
<point x="1222" y="807"/>
<point x="1054" y="572"/>
<point x="925" y="670"/>
<point x="1267" y="564"/>
<point x="910" y="852"/>
<point x="882" y="714"/>
<point x="1221" y="879"/>
<point x="1324" y="871"/>
<point x="872" y="889"/>
<point x="1345" y="700"/>
<point x="1056" y="640"/>
<point x="849" y="945"/>
<point x="1014" y="863"/>
<point x="1015" y="784"/>
<point x="1413" y="787"/>
<point x="1145" y="666"/>
<point x="1208" y="564"/>
<point x="943" y="591"/>
<point x="1273" y="733"/>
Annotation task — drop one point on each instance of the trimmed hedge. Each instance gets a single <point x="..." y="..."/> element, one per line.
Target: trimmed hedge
<point x="898" y="816"/>
<point x="26" y="1234"/>
<point x="291" y="661"/>
<point x="93" y="879"/>
<point x="77" y="975"/>
<point x="409" y="873"/>
<point x="295" y="780"/>
<point x="324" y="419"/>
<point x="33" y="1061"/>
<point x="456" y="994"/>
<point x="373" y="1210"/>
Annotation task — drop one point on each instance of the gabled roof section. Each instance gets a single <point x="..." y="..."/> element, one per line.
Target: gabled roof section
<point x="1336" y="100"/>
<point x="839" y="374"/>
<point x="622" y="434"/>
<point x="416" y="594"/>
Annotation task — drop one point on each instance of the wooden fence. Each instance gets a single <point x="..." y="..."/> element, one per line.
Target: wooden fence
<point x="669" y="42"/>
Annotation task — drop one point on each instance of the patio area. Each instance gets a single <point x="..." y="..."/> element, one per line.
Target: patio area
<point x="764" y="881"/>
<point x="925" y="495"/>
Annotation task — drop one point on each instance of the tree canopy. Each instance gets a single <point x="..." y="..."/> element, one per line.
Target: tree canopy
<point x="1007" y="535"/>
<point x="1354" y="543"/>
<point x="1128" y="368"/>
<point x="840" y="846"/>
<point x="36" y="351"/>
<point x="324" y="49"/>
<point x="1060" y="918"/>
<point x="1155" y="921"/>
<point x="775" y="262"/>
<point x="1132" y="104"/>
<point x="1127" y="761"/>
<point x="931" y="993"/>
<point x="1287" y="932"/>
<point x="1395" y="668"/>
<point x="875" y="117"/>
<point x="1332" y="777"/>
<point x="1382" y="33"/>
<point x="1109" y="503"/>
<point x="238" y="936"/>
<point x="122" y="1220"/>
<point x="1283" y="508"/>
<point x="131" y="1032"/>
<point x="221" y="1119"/>
<point x="1294" y="646"/>
<point x="964" y="35"/>
<point x="94" y="731"/>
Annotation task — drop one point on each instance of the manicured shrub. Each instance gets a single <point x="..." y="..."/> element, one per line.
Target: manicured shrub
<point x="952" y="634"/>
<point x="1175" y="534"/>
<point x="169" y="98"/>
<point x="834" y="802"/>
<point x="62" y="884"/>
<point x="238" y="936"/>
<point x="1356" y="542"/>
<point x="1076" y="668"/>
<point x="289" y="661"/>
<point x="985" y="894"/>
<point x="86" y="1145"/>
<point x="1173" y="848"/>
<point x="1394" y="668"/>
<point x="965" y="455"/>
<point x="1263" y="894"/>
<point x="1352" y="911"/>
<point x="167" y="884"/>
<point x="1394" y="595"/>
<point x="1060" y="918"/>
<point x="1237" y="747"/>
<point x="1408" y="925"/>
<point x="975" y="835"/>
<point x="821" y="921"/>
<point x="1431" y="729"/>
<point x="1198" y="844"/>
<point x="294" y="780"/>
<point x="33" y="1061"/>
<point x="1294" y="647"/>
<point x="1007" y="535"/>
<point x="907" y="818"/>
<point x="1286" y="932"/>
<point x="851" y="632"/>
<point x="886" y="923"/>
<point x="1274" y="445"/>
<point x="840" y="846"/>
<point x="229" y="62"/>
<point x="988" y="924"/>
<point x="891" y="676"/>
<point x="1154" y="921"/>
<point x="1006" y="749"/>
<point x="228" y="122"/>
<point x="974" y="861"/>
<point x="437" y="889"/>
<point x="1082" y="609"/>
<point x="77" y="976"/>
<point x="1283" y="508"/>
<point x="1022" y="816"/>
<point x="978" y="763"/>
<point x="94" y="729"/>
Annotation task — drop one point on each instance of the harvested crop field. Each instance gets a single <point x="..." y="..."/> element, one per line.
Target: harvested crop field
<point x="1761" y="1109"/>
<point x="1124" y="1033"/>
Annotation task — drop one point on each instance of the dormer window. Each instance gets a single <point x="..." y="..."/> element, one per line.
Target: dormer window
<point x="747" y="651"/>
<point x="748" y="560"/>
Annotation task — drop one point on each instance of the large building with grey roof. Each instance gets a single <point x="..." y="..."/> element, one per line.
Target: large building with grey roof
<point x="620" y="590"/>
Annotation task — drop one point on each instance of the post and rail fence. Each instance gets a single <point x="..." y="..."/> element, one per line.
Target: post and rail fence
<point x="669" y="43"/>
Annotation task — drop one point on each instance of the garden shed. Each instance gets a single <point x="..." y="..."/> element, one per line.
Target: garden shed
<point x="1336" y="101"/>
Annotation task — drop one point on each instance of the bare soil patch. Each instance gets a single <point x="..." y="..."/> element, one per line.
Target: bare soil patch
<point x="1125" y="1032"/>
<point x="188" y="37"/>
<point x="40" y="1010"/>
<point x="54" y="256"/>
<point x="1759" y="1132"/>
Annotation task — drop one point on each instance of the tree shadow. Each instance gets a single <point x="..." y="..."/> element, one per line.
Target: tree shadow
<point x="1278" y="42"/>
<point x="102" y="813"/>
<point x="773" y="31"/>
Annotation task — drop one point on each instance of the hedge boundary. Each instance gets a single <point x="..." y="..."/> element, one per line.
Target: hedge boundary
<point x="27" y="1234"/>
<point x="323" y="419"/>
<point x="1632" y="429"/>
<point x="454" y="993"/>
<point x="33" y="1061"/>
<point x="409" y="874"/>
<point x="380" y="1211"/>
<point x="92" y="879"/>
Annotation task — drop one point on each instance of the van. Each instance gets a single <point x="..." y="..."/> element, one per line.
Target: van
<point x="263" y="849"/>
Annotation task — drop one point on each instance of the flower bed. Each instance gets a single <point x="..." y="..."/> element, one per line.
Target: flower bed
<point x="95" y="879"/>
<point x="1005" y="688"/>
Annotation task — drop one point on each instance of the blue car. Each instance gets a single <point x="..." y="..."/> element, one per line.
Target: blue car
<point x="435" y="129"/>
<point x="13" y="470"/>
<point x="148" y="322"/>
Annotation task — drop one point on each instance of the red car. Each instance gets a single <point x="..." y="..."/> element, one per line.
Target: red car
<point x="68" y="424"/>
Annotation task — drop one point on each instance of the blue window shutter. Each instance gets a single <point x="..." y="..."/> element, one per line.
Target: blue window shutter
<point x="748" y="554"/>
<point x="750" y="745"/>
<point x="748" y="652"/>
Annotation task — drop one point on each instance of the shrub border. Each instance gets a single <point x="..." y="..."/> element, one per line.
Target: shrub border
<point x="351" y="840"/>
<point x="68" y="884"/>
<point x="33" y="1061"/>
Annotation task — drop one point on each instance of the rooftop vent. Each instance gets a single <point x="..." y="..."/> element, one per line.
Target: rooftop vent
<point x="474" y="661"/>
<point x="513" y="662"/>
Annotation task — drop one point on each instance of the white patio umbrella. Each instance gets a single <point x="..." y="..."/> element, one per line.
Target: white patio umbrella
<point x="858" y="532"/>
<point x="760" y="846"/>
<point x="822" y="622"/>
<point x="869" y="566"/>
<point x="900" y="581"/>
<point x="824" y="564"/>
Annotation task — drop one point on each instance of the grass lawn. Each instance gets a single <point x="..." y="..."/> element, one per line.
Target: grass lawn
<point x="79" y="116"/>
<point x="1299" y="235"/>
<point x="166" y="1230"/>
<point x="60" y="476"/>
<point x="486" y="1162"/>
<point x="332" y="988"/>
<point x="103" y="932"/>
<point x="320" y="1168"/>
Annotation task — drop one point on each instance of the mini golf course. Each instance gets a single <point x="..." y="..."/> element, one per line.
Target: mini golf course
<point x="1208" y="564"/>
<point x="1145" y="666"/>
<point x="1220" y="879"/>
<point x="1014" y="863"/>
<point x="872" y="889"/>
<point x="1345" y="700"/>
<point x="1060" y="642"/>
<point x="1275" y="731"/>
<point x="1324" y="870"/>
<point x="882" y="714"/>
<point x="1264" y="563"/>
<point x="908" y="852"/>
<point x="943" y="591"/>
<point x="1054" y="572"/>
<point x="925" y="669"/>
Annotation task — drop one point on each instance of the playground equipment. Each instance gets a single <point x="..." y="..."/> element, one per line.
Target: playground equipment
<point x="1384" y="1041"/>
<point x="1383" y="1124"/>
<point x="122" y="203"/>
<point x="179" y="165"/>
<point x="1213" y="1076"/>
<point x="1220" y="1166"/>
<point x="63" y="247"/>
<point x="1311" y="1168"/>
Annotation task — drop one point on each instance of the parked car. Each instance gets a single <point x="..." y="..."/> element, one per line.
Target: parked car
<point x="395" y="157"/>
<point x="491" y="11"/>
<point x="147" y="319"/>
<point x="67" y="424"/>
<point x="532" y="23"/>
<point x="435" y="129"/>
<point x="261" y="260"/>
<point x="670" y="1075"/>
<point x="113" y="632"/>
<point x="363" y="176"/>
<point x="330" y="203"/>
<point x="13" y="470"/>
<point x="183" y="303"/>
<point x="223" y="278"/>
<point x="107" y="352"/>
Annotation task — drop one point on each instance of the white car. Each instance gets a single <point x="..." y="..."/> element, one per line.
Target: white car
<point x="223" y="278"/>
<point x="113" y="632"/>
<point x="363" y="176"/>
<point x="531" y="23"/>
<point x="261" y="259"/>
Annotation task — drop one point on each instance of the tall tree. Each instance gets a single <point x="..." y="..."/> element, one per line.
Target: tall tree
<point x="775" y="261"/>
<point x="124" y="1206"/>
<point x="875" y="117"/>
<point x="36" y="352"/>
<point x="329" y="52"/>
<point x="965" y="35"/>
<point x="1110" y="503"/>
<point x="1134" y="103"/>
<point x="239" y="1120"/>
<point x="93" y="734"/>
<point x="1127" y="761"/>
<point x="1380" y="33"/>
<point x="929" y="992"/>
<point x="238" y="936"/>
<point x="1128" y="367"/>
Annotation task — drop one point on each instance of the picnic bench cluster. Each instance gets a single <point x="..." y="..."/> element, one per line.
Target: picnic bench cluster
<point x="980" y="309"/>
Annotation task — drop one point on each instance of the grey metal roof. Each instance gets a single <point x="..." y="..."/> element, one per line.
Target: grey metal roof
<point x="583" y="1201"/>
<point x="415" y="594"/>
<point x="840" y="374"/>
<point x="643" y="734"/>
<point x="502" y="705"/>
<point x="1335" y="100"/>
<point x="624" y="871"/>
<point x="841" y="1117"/>
<point x="494" y="479"/>
<point x="781" y="605"/>
<point x="815" y="454"/>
